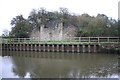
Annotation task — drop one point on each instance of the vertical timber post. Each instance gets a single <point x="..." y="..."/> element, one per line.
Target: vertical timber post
<point x="53" y="47"/>
<point x="94" y="48"/>
<point x="10" y="47"/>
<point x="83" y="47"/>
<point x="78" y="47"/>
<point x="68" y="48"/>
<point x="44" y="47"/>
<point x="98" y="39"/>
<point x="89" y="48"/>
<point x="35" y="47"/>
<point x="39" y="47"/>
<point x="89" y="39"/>
<point x="108" y="39"/>
<point x="31" y="47"/>
<point x="13" y="47"/>
<point x="27" y="47"/>
<point x="20" y="47"/>
<point x="62" y="47"/>
<point x="16" y="47"/>
<point x="72" y="48"/>
<point x="48" y="47"/>
<point x="23" y="47"/>
<point x="6" y="46"/>
<point x="57" y="47"/>
<point x="79" y="39"/>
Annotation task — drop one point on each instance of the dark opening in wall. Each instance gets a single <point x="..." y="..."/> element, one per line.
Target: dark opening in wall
<point x="45" y="27"/>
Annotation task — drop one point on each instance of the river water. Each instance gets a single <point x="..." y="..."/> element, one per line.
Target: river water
<point x="58" y="65"/>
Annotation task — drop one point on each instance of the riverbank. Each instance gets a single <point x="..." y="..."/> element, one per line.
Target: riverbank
<point x="79" y="48"/>
<point x="77" y="44"/>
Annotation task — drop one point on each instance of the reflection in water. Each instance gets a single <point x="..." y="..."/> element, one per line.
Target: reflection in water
<point x="64" y="65"/>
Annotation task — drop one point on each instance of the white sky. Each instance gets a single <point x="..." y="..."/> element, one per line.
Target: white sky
<point x="11" y="8"/>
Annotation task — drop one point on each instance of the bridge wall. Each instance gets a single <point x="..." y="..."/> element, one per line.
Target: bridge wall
<point x="78" y="48"/>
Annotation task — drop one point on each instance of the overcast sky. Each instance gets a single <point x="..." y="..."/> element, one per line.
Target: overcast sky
<point x="11" y="8"/>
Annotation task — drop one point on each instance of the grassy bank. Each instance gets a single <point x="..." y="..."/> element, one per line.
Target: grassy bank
<point x="55" y="42"/>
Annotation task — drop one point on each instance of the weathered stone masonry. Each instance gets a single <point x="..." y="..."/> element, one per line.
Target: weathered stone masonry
<point x="54" y="31"/>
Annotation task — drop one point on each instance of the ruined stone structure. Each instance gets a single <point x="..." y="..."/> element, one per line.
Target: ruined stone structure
<point x="54" y="31"/>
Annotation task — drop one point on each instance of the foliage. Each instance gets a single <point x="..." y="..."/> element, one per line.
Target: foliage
<point x="89" y="26"/>
<point x="21" y="27"/>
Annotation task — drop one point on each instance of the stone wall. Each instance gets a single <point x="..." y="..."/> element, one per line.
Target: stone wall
<point x="52" y="33"/>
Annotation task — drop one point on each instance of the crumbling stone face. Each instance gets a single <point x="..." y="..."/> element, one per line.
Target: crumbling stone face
<point x="55" y="32"/>
<point x="69" y="33"/>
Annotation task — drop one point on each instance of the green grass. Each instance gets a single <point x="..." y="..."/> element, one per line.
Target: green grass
<point x="54" y="42"/>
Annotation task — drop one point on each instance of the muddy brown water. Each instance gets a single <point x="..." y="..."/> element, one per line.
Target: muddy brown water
<point x="20" y="64"/>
